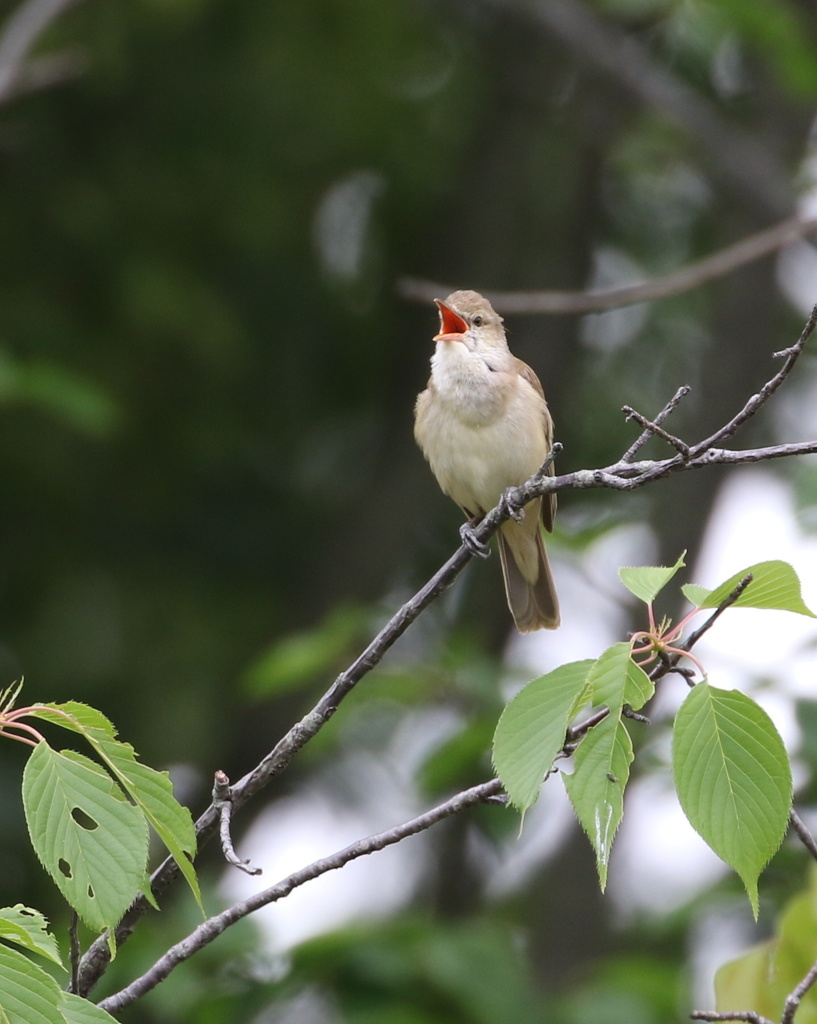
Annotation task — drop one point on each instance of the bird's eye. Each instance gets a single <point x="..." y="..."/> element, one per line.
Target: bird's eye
<point x="477" y="321"/>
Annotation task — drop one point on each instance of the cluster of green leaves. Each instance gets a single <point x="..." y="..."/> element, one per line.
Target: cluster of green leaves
<point x="88" y="821"/>
<point x="731" y="770"/>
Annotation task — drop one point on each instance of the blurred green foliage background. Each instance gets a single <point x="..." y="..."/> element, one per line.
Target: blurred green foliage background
<point x="211" y="494"/>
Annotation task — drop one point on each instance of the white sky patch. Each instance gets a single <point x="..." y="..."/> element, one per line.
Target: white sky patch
<point x="753" y="521"/>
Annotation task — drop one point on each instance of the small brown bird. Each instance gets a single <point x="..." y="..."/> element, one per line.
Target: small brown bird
<point x="484" y="426"/>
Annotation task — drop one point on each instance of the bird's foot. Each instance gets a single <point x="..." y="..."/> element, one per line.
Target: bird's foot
<point x="476" y="546"/>
<point x="509" y="508"/>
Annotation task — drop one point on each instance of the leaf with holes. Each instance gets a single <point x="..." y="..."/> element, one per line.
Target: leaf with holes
<point x="733" y="778"/>
<point x="647" y="581"/>
<point x="152" y="791"/>
<point x="596" y="787"/>
<point x="29" y="929"/>
<point x="27" y="994"/>
<point x="531" y="730"/>
<point x="90" y="839"/>
<point x="775" y="586"/>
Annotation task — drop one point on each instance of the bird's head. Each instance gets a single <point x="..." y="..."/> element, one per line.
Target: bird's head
<point x="469" y="318"/>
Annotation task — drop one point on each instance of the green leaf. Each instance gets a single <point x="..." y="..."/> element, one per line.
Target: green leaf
<point x="775" y="586"/>
<point x="79" y="718"/>
<point x="694" y="594"/>
<point x="747" y="982"/>
<point x="647" y="581"/>
<point x="531" y="730"/>
<point x="615" y="679"/>
<point x="152" y="791"/>
<point x="596" y="787"/>
<point x="29" y="929"/>
<point x="733" y="778"/>
<point x="27" y="994"/>
<point x="91" y="841"/>
<point x="76" y="1010"/>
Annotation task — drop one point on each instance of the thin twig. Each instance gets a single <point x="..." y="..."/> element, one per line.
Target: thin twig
<point x="727" y="602"/>
<point x="750" y="1016"/>
<point x="597" y="300"/>
<point x="757" y="401"/>
<point x="651" y="427"/>
<point x="575" y="732"/>
<point x="214" y="926"/>
<point x="627" y="712"/>
<point x="223" y="803"/>
<point x="642" y="439"/>
<point x="794" y="998"/>
<point x="805" y="836"/>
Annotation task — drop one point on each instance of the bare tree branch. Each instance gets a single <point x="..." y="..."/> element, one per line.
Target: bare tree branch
<point x="727" y="602"/>
<point x="597" y="300"/>
<point x="214" y="926"/>
<point x="748" y="1015"/>
<point x="223" y="803"/>
<point x="649" y="432"/>
<point x="20" y="33"/>
<point x="805" y="836"/>
<point x="795" y="997"/>
<point x="651" y="428"/>
<point x="623" y="475"/>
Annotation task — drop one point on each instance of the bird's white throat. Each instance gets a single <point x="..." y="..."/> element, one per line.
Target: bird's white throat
<point x="465" y="382"/>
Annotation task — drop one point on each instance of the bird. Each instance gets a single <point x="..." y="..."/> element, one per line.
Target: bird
<point x="483" y="425"/>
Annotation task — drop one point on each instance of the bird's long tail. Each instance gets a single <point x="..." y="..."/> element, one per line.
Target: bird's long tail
<point x="528" y="580"/>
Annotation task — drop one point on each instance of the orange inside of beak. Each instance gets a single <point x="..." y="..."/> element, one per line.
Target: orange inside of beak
<point x="451" y="323"/>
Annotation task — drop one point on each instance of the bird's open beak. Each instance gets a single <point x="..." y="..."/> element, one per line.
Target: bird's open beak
<point x="452" y="325"/>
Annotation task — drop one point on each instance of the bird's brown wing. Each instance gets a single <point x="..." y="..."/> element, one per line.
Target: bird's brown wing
<point x="548" y="504"/>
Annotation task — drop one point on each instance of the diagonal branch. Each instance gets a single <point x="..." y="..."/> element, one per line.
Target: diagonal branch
<point x="750" y="1016"/>
<point x="803" y="833"/>
<point x="794" y="998"/>
<point x="649" y="432"/>
<point x="757" y="401"/>
<point x="214" y="926"/>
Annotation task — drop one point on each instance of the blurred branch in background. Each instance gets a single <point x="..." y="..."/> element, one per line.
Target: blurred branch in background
<point x="739" y="159"/>
<point x="718" y="264"/>
<point x="18" y="72"/>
